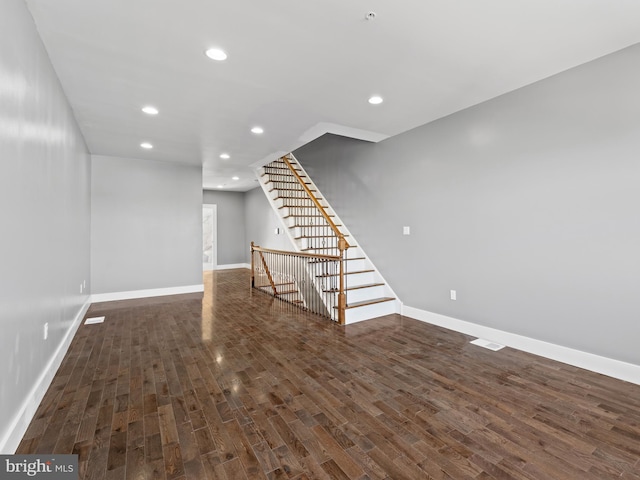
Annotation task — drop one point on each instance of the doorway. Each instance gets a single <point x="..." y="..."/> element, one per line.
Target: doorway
<point x="209" y="237"/>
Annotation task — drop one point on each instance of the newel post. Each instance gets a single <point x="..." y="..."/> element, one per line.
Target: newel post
<point x="342" y="297"/>
<point x="253" y="279"/>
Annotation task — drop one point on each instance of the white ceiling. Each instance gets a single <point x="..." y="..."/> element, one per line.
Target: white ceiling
<point x="300" y="68"/>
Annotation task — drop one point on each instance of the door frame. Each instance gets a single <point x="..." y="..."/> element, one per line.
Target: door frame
<point x="214" y="257"/>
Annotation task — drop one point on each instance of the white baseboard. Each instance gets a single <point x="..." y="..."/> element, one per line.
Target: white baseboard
<point x="606" y="366"/>
<point x="13" y="435"/>
<point x="232" y="266"/>
<point x="153" y="292"/>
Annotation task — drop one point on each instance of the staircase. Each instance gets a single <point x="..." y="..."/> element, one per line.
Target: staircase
<point x="314" y="228"/>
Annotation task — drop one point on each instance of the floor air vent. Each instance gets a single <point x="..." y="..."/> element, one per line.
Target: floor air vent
<point x="487" y="344"/>
<point x="91" y="321"/>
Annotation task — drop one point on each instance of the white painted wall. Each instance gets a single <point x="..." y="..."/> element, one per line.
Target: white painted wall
<point x="44" y="224"/>
<point x="527" y="205"/>
<point x="146" y="225"/>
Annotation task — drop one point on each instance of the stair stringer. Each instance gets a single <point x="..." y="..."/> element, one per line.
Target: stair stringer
<point x="355" y="251"/>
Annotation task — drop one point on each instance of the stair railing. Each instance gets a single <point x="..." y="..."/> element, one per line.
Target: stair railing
<point x="293" y="277"/>
<point x="341" y="242"/>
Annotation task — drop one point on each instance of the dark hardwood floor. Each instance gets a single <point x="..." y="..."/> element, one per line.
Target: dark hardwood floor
<point x="238" y="385"/>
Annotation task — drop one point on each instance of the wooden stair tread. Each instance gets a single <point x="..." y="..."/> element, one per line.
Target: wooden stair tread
<point x="317" y="236"/>
<point x="312" y="226"/>
<point x="291" y="190"/>
<point x="356" y="287"/>
<point x="295" y="182"/>
<point x="297" y="198"/>
<point x="299" y="206"/>
<point x="373" y="301"/>
<point x="346" y="273"/>
<point x="306" y="216"/>
<point x="286" y="169"/>
<point x="288" y="292"/>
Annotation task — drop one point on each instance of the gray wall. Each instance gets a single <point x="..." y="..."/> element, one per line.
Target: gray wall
<point x="527" y="205"/>
<point x="232" y="245"/>
<point x="146" y="225"/>
<point x="261" y="223"/>
<point x="44" y="194"/>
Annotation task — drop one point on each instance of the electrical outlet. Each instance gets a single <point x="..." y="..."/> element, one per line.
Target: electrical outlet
<point x="454" y="295"/>
<point x="46" y="330"/>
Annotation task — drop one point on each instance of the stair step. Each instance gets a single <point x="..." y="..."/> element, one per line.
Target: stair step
<point x="368" y="285"/>
<point x="312" y="226"/>
<point x="317" y="236"/>
<point x="346" y="273"/>
<point x="318" y="261"/>
<point x="300" y="206"/>
<point x="280" y="162"/>
<point x="266" y="174"/>
<point x="318" y="248"/>
<point x="288" y="292"/>
<point x="357" y="287"/>
<point x="294" y="182"/>
<point x="307" y="216"/>
<point x="373" y="301"/>
<point x="290" y="190"/>
<point x="298" y="198"/>
<point x="281" y="168"/>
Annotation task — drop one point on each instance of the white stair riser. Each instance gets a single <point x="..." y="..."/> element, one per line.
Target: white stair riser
<point x="356" y="265"/>
<point x="362" y="294"/>
<point x="367" y="312"/>
<point x="331" y="242"/>
<point x="360" y="278"/>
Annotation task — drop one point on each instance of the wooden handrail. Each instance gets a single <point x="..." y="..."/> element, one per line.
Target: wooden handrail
<point x="342" y="241"/>
<point x="295" y="254"/>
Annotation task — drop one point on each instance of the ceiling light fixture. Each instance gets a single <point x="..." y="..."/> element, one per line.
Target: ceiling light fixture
<point x="146" y="145"/>
<point x="235" y="178"/>
<point x="149" y="110"/>
<point x="257" y="130"/>
<point x="216" y="54"/>
<point x="219" y="186"/>
<point x="225" y="156"/>
<point x="376" y="100"/>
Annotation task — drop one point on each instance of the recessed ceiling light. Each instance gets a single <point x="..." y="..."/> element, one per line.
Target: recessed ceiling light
<point x="149" y="110"/>
<point x="257" y="130"/>
<point x="219" y="186"/>
<point x="375" y="100"/>
<point x="216" y="54"/>
<point x="225" y="156"/>
<point x="146" y="145"/>
<point x="235" y="178"/>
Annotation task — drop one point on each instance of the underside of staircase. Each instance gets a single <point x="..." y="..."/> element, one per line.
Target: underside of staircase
<point x="314" y="228"/>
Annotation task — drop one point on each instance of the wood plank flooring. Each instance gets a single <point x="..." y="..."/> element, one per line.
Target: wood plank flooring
<point x="238" y="385"/>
